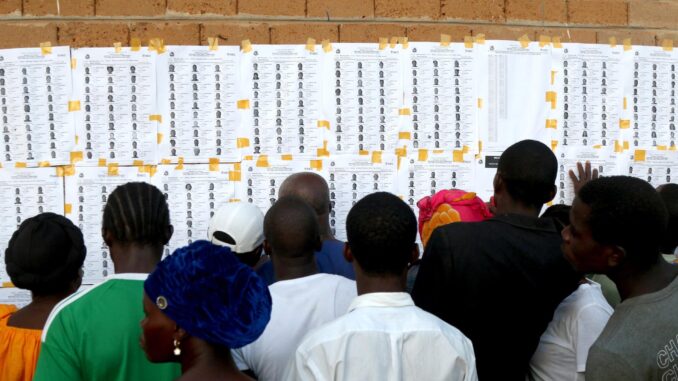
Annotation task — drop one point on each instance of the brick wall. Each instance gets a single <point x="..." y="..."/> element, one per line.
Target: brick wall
<point x="102" y="22"/>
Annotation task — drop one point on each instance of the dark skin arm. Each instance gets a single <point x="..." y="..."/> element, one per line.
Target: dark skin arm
<point x="583" y="176"/>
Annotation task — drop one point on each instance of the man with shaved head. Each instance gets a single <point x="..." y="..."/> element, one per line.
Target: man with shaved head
<point x="302" y="298"/>
<point x="313" y="189"/>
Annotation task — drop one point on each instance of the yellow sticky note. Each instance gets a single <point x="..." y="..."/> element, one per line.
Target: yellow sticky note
<point x="237" y="166"/>
<point x="46" y="48"/>
<point x="554" y="144"/>
<point x="556" y="42"/>
<point x="524" y="41"/>
<point x="544" y="40"/>
<point x="468" y="42"/>
<point x="627" y="44"/>
<point x="7" y="285"/>
<point x="626" y="145"/>
<point x="248" y="157"/>
<point x="165" y="161"/>
<point x="242" y="142"/>
<point x="661" y="148"/>
<point x="401" y="152"/>
<point x="403" y="41"/>
<point x="213" y="43"/>
<point x="74" y="63"/>
<point x="465" y="149"/>
<point x="69" y="170"/>
<point x="76" y="156"/>
<point x="405" y="135"/>
<point x="157" y="44"/>
<point x="479" y="39"/>
<point x="234" y="176"/>
<point x="324" y="124"/>
<point x="102" y="162"/>
<point x="404" y="111"/>
<point x="613" y="42"/>
<point x="624" y="124"/>
<point x="155" y="118"/>
<point x="317" y="165"/>
<point x="159" y="137"/>
<point x="117" y="46"/>
<point x="152" y="169"/>
<point x="552" y="96"/>
<point x="113" y="169"/>
<point x="214" y="164"/>
<point x="180" y="164"/>
<point x="393" y="42"/>
<point x="423" y="155"/>
<point x="243" y="104"/>
<point x="667" y="45"/>
<point x="310" y="45"/>
<point x="138" y="163"/>
<point x="262" y="161"/>
<point x="68" y="208"/>
<point x="363" y="152"/>
<point x="286" y="157"/>
<point x="327" y="46"/>
<point x="322" y="152"/>
<point x="480" y="102"/>
<point x="445" y="39"/>
<point x="43" y="164"/>
<point x="625" y="103"/>
<point x="246" y="46"/>
<point x="135" y="44"/>
<point x="553" y="77"/>
<point x="20" y="164"/>
<point x="383" y="41"/>
<point x="552" y="123"/>
<point x="376" y="157"/>
<point x="639" y="155"/>
<point x="73" y="106"/>
<point x="458" y="156"/>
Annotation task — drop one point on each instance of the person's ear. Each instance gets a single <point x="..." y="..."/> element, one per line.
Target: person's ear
<point x="614" y="255"/>
<point x="348" y="255"/>
<point x="267" y="247"/>
<point x="552" y="193"/>
<point x="168" y="233"/>
<point x="415" y="253"/>
<point x="258" y="250"/>
<point x="107" y="236"/>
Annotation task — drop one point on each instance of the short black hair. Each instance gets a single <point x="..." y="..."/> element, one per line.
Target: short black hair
<point x="137" y="212"/>
<point x="560" y="213"/>
<point x="669" y="194"/>
<point x="529" y="169"/>
<point x="627" y="212"/>
<point x="381" y="231"/>
<point x="45" y="254"/>
<point x="291" y="228"/>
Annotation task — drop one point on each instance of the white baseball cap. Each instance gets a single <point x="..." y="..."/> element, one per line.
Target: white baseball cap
<point x="242" y="221"/>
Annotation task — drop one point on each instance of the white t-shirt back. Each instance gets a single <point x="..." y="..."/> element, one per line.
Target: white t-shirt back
<point x="564" y="346"/>
<point x="299" y="305"/>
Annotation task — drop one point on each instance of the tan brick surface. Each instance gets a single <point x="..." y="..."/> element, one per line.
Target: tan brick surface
<point x="23" y="35"/>
<point x="370" y="32"/>
<point x="234" y="33"/>
<point x="200" y="7"/>
<point x="172" y="33"/>
<point x="130" y="7"/>
<point x="654" y="13"/>
<point x="498" y="32"/>
<point x="10" y="7"/>
<point x="586" y="36"/>
<point x="272" y="7"/>
<point x="638" y="37"/>
<point x="667" y="35"/>
<point x="359" y="9"/>
<point x="95" y="34"/>
<point x="490" y="10"/>
<point x="601" y="12"/>
<point x="298" y="33"/>
<point x="432" y="32"/>
<point x="429" y="9"/>
<point x="66" y="8"/>
<point x="537" y="10"/>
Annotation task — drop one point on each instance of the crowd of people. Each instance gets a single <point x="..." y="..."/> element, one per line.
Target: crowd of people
<point x="502" y="291"/>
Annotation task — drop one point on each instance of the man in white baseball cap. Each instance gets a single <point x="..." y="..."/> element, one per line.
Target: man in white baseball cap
<point x="240" y="227"/>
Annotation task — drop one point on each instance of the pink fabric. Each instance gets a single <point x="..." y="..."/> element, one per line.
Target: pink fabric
<point x="468" y="208"/>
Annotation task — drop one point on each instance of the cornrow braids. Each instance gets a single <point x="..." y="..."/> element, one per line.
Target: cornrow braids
<point x="137" y="212"/>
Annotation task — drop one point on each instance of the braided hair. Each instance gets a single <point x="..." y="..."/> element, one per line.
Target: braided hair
<point x="137" y="212"/>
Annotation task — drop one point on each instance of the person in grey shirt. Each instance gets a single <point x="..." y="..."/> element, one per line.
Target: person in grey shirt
<point x="616" y="226"/>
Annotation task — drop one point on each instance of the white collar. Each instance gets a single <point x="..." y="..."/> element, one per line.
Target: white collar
<point x="128" y="276"/>
<point x="382" y="299"/>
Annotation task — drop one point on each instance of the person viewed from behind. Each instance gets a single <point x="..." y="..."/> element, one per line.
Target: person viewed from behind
<point x="93" y="335"/>
<point x="510" y="266"/>
<point x="616" y="227"/>
<point x="313" y="189"/>
<point x="303" y="299"/>
<point x="45" y="256"/>
<point x="384" y="336"/>
<point x="200" y="302"/>
<point x="240" y="227"/>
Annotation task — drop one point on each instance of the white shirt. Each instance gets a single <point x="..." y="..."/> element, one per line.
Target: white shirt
<point x="564" y="346"/>
<point x="384" y="337"/>
<point x="299" y="305"/>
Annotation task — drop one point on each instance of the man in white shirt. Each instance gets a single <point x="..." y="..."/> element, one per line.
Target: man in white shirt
<point x="303" y="299"/>
<point x="564" y="346"/>
<point x="384" y="336"/>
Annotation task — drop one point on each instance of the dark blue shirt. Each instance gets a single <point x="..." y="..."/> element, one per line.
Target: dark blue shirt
<point x="330" y="260"/>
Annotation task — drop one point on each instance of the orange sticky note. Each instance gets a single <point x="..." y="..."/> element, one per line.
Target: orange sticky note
<point x="262" y="161"/>
<point x="376" y="157"/>
<point x="214" y="164"/>
<point x="458" y="156"/>
<point x="423" y="155"/>
<point x="639" y="155"/>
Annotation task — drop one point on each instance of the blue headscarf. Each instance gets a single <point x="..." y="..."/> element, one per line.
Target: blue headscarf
<point x="210" y="294"/>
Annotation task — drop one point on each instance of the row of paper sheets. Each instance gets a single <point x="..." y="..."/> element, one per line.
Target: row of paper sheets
<point x="192" y="104"/>
<point x="195" y="191"/>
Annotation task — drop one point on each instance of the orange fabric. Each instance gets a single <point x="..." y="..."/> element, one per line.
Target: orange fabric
<point x="19" y="348"/>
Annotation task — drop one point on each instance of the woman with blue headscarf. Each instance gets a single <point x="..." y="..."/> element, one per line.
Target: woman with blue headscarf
<point x="201" y="302"/>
